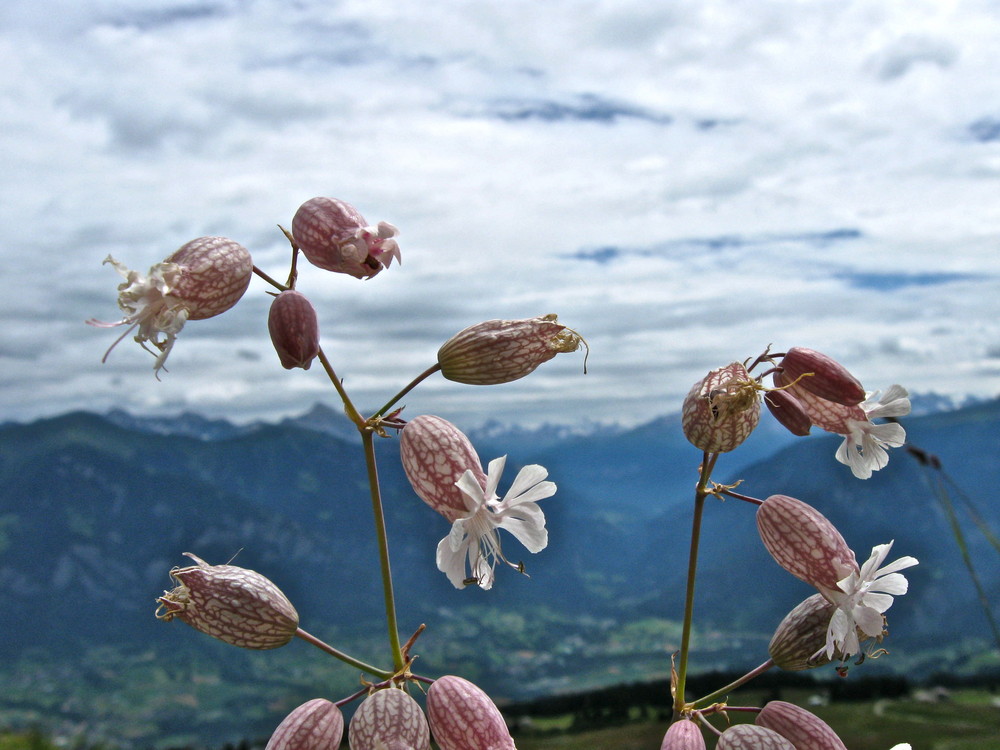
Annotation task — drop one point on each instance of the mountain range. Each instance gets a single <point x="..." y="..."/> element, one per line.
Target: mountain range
<point x="96" y="510"/>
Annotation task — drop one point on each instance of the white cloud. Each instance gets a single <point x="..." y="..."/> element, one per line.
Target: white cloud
<point x="705" y="148"/>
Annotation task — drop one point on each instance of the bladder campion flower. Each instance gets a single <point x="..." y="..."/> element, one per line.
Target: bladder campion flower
<point x="474" y="535"/>
<point x="722" y="409"/>
<point x="462" y="717"/>
<point x="202" y="279"/>
<point x="862" y="598"/>
<point x="334" y="236"/>
<point x="863" y="449"/>
<point x="233" y="604"/>
<point x="752" y="737"/>
<point x="499" y="351"/>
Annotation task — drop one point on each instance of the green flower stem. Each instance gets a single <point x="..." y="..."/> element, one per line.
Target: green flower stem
<point x="723" y="691"/>
<point x="413" y="384"/>
<point x="352" y="413"/>
<point x="367" y="668"/>
<point x="701" y="492"/>
<point x="398" y="659"/>
<point x="269" y="280"/>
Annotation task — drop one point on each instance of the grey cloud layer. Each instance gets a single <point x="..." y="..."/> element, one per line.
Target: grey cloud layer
<point x="683" y="184"/>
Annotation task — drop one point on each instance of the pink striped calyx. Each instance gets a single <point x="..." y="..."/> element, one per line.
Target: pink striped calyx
<point x="805" y="543"/>
<point x="822" y="376"/>
<point x="788" y="411"/>
<point x="294" y="329"/>
<point x="202" y="279"/>
<point x="752" y="737"/>
<point x="334" y="236"/>
<point x="235" y="605"/>
<point x="803" y="729"/>
<point x="462" y="717"/>
<point x="500" y="351"/>
<point x="722" y="409"/>
<point x="315" y="725"/>
<point x="683" y="735"/>
<point x="799" y="642"/>
<point x="435" y="455"/>
<point x="389" y="719"/>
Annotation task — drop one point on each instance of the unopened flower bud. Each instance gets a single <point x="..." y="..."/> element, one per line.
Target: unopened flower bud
<point x="294" y="329"/>
<point x="800" y="727"/>
<point x="334" y="236"/>
<point x="435" y="455"/>
<point x="389" y="719"/>
<point x="202" y="279"/>
<point x="722" y="409"/>
<point x="829" y="379"/>
<point x="800" y="639"/>
<point x="683" y="735"/>
<point x="788" y="411"/>
<point x="804" y="542"/>
<point x="235" y="605"/>
<point x="752" y="737"/>
<point x="462" y="717"/>
<point x="499" y="351"/>
<point x="315" y="725"/>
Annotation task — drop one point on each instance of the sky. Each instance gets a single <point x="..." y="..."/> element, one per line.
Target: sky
<point x="683" y="183"/>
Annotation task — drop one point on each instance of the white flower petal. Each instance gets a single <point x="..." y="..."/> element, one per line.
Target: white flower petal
<point x="879" y="553"/>
<point x="894" y="584"/>
<point x="900" y="564"/>
<point x="451" y="562"/>
<point x="472" y="492"/>
<point x="869" y="620"/>
<point x="493" y="472"/>
<point x="528" y="531"/>
<point x="526" y="478"/>
<point x="878" y="602"/>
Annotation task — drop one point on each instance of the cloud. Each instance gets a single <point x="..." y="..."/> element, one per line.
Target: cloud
<point x="682" y="183"/>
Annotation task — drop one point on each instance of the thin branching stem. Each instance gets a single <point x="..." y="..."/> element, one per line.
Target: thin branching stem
<point x="723" y="691"/>
<point x="337" y="654"/>
<point x="349" y="409"/>
<point x="413" y="384"/>
<point x="701" y="492"/>
<point x="398" y="658"/>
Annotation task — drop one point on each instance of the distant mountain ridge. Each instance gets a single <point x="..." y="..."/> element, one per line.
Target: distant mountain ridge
<point x="96" y="510"/>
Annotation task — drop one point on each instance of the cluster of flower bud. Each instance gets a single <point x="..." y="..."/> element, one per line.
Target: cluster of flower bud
<point x="810" y="388"/>
<point x="459" y="715"/>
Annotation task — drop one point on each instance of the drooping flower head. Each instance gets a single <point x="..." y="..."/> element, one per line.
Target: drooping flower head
<point x="807" y="545"/>
<point x="315" y="725"/>
<point x="389" y="719"/>
<point x="233" y="604"/>
<point x="462" y="717"/>
<point x="500" y="351"/>
<point x="334" y="236"/>
<point x="294" y="329"/>
<point x="835" y="401"/>
<point x="202" y="279"/>
<point x="722" y="409"/>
